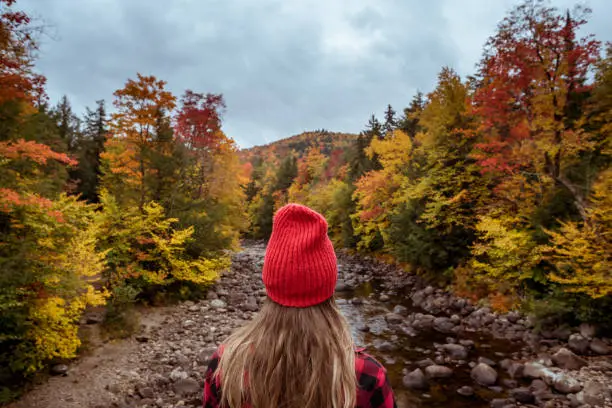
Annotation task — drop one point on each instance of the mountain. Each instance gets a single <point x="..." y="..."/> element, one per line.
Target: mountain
<point x="299" y="145"/>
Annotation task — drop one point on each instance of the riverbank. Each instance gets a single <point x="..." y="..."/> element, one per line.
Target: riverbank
<point x="440" y="350"/>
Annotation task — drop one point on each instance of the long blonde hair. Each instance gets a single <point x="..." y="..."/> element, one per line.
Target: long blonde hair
<point x="290" y="358"/>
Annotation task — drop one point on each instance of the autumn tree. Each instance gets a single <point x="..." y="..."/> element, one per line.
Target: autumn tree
<point x="533" y="85"/>
<point x="138" y="107"/>
<point x="433" y="226"/>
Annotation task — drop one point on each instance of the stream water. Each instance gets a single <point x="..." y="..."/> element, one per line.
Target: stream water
<point x="410" y="348"/>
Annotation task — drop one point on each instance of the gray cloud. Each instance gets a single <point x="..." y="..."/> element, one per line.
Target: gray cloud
<point x="283" y="66"/>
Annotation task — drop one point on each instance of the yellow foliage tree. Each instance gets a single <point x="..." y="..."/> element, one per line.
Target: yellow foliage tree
<point x="582" y="252"/>
<point x="376" y="190"/>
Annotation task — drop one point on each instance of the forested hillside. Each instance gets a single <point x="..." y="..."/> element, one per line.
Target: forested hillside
<point x="102" y="208"/>
<point x="498" y="184"/>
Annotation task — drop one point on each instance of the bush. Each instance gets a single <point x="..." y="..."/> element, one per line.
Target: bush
<point x="144" y="249"/>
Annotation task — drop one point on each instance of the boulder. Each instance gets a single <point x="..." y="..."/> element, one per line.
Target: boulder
<point x="484" y="374"/>
<point x="438" y="371"/>
<point x="456" y="351"/>
<point x="564" y="358"/>
<point x="598" y="346"/>
<point x="415" y="380"/>
<point x="566" y="384"/>
<point x="578" y="344"/>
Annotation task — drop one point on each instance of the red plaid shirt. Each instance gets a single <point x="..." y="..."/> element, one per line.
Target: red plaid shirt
<point x="373" y="388"/>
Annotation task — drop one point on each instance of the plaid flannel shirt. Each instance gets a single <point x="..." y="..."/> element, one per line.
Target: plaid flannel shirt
<point x="373" y="389"/>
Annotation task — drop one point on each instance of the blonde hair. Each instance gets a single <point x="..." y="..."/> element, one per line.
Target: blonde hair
<point x="290" y="358"/>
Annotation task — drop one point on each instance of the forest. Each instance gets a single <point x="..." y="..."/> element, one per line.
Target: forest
<point x="497" y="186"/>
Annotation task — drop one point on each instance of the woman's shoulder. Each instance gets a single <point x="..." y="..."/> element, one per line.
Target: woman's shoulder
<point x="370" y="372"/>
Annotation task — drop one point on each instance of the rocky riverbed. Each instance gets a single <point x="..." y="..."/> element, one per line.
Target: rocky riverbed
<point x="440" y="350"/>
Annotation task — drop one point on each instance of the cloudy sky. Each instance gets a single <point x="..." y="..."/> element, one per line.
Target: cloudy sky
<point x="284" y="66"/>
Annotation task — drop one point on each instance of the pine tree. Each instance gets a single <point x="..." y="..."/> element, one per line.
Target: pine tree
<point x="89" y="149"/>
<point x="390" y="121"/>
<point x="409" y="123"/>
<point x="68" y="124"/>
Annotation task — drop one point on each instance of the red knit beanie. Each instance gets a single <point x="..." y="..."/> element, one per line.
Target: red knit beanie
<point x="300" y="265"/>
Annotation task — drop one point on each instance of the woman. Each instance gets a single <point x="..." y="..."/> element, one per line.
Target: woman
<point x="298" y="351"/>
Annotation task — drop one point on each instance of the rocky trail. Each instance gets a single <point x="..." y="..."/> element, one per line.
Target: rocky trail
<point x="440" y="350"/>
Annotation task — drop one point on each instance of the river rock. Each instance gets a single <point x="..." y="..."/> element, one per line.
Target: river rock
<point x="218" y="304"/>
<point x="415" y="380"/>
<point x="595" y="393"/>
<point x="186" y="386"/>
<point x="144" y="391"/>
<point x="456" y="351"/>
<point x="513" y="316"/>
<point x="484" y="374"/>
<point x="578" y="344"/>
<point x="465" y="391"/>
<point x="342" y="287"/>
<point x="443" y="325"/>
<point x="598" y="346"/>
<point x="178" y="374"/>
<point x="425" y="363"/>
<point x="486" y="361"/>
<point x="384" y="298"/>
<point x="438" y="371"/>
<point x="211" y="295"/>
<point x="516" y="369"/>
<point x="501" y="403"/>
<point x="400" y="310"/>
<point x="363" y="327"/>
<point x="59" y="369"/>
<point x="566" y="384"/>
<point x="385" y="346"/>
<point x="250" y="305"/>
<point x="523" y="395"/>
<point x="394" y="318"/>
<point x="588" y="330"/>
<point x="423" y="321"/>
<point x="564" y="358"/>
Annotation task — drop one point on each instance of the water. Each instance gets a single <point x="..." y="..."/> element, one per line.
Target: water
<point x="410" y="350"/>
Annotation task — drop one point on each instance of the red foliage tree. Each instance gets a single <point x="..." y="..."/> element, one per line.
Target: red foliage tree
<point x="198" y="122"/>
